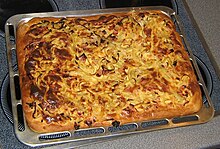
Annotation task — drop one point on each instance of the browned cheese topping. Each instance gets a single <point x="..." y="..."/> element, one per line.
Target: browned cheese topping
<point x="114" y="68"/>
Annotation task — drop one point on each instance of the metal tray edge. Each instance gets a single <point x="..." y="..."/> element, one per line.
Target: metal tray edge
<point x="14" y="20"/>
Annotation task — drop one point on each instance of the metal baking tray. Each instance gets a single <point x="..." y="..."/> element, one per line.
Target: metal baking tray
<point x="89" y="135"/>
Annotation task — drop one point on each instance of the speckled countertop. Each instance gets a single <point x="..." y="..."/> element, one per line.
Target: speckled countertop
<point x="197" y="136"/>
<point x="207" y="16"/>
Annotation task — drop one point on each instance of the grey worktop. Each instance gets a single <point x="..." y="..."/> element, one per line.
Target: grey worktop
<point x="207" y="16"/>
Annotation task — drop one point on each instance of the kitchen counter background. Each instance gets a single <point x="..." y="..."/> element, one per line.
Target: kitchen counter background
<point x="198" y="136"/>
<point x="207" y="16"/>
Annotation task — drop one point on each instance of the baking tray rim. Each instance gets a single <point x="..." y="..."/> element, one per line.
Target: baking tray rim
<point x="16" y="19"/>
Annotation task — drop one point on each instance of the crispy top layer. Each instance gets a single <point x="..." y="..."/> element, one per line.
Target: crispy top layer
<point x="92" y="71"/>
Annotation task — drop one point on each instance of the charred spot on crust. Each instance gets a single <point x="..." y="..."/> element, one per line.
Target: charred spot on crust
<point x="31" y="105"/>
<point x="52" y="100"/>
<point x="115" y="123"/>
<point x="119" y="23"/>
<point x="80" y="21"/>
<point x="30" y="66"/>
<point x="141" y="15"/>
<point x="76" y="126"/>
<point x="88" y="122"/>
<point x="35" y="110"/>
<point x="62" y="53"/>
<point x="102" y="40"/>
<point x="52" y="78"/>
<point x="171" y="50"/>
<point x="50" y="119"/>
<point x="36" y="93"/>
<point x="82" y="57"/>
<point x="174" y="63"/>
<point x="38" y="30"/>
<point x="148" y="31"/>
<point x="59" y="24"/>
<point x="105" y="19"/>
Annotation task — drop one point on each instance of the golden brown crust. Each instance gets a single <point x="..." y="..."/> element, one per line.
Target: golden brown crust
<point x="91" y="71"/>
